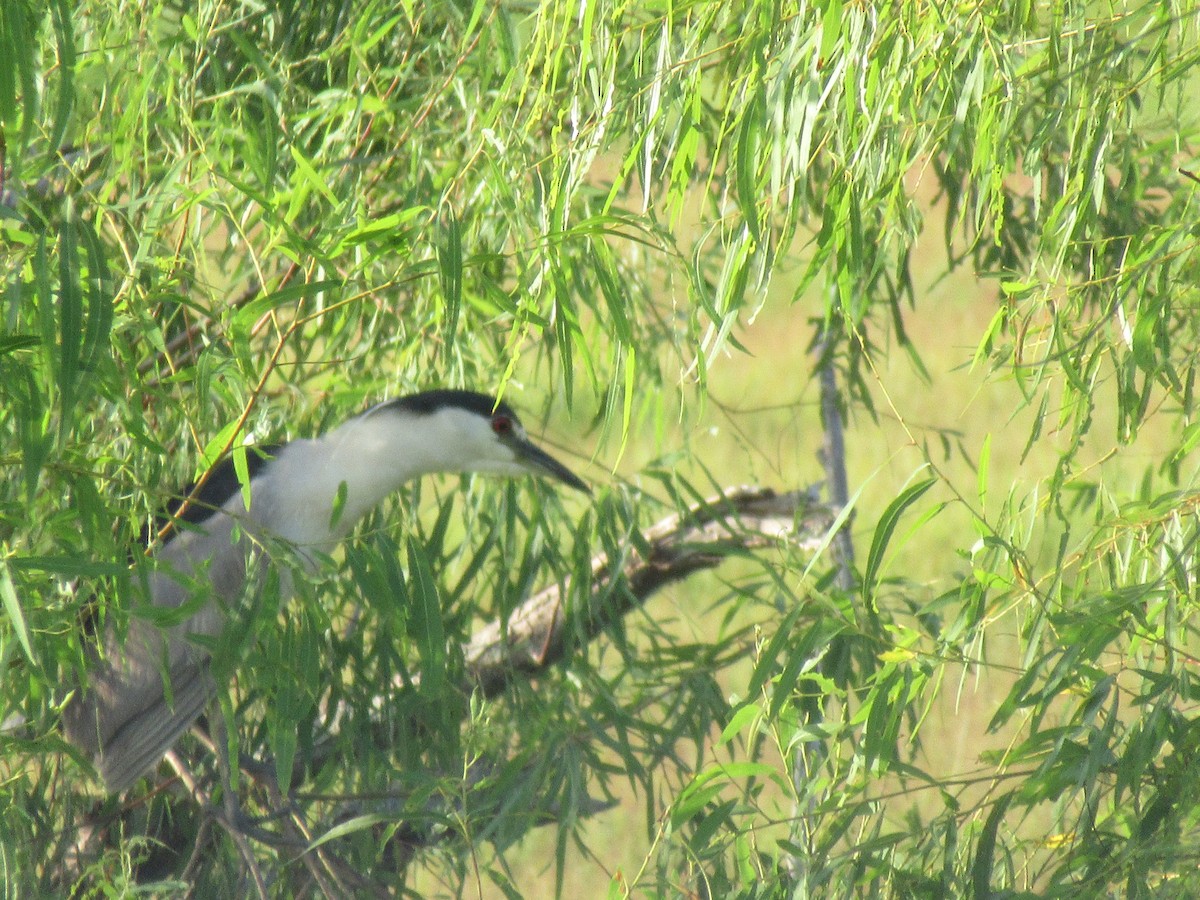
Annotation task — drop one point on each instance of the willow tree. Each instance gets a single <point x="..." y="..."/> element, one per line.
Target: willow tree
<point x="233" y="222"/>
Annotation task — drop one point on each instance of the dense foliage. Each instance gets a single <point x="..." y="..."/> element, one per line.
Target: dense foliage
<point x="231" y="220"/>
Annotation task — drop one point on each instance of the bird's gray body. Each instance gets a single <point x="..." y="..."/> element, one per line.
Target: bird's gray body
<point x="149" y="683"/>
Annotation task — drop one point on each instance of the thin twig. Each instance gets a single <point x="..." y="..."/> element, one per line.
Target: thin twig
<point x="203" y="800"/>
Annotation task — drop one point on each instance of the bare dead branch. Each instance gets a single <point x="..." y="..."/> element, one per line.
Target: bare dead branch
<point x="743" y="518"/>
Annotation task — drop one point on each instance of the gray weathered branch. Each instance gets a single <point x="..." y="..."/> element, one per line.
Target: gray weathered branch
<point x="538" y="633"/>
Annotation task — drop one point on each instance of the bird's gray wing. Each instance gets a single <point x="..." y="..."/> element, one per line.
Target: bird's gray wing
<point x="126" y="725"/>
<point x="151" y="683"/>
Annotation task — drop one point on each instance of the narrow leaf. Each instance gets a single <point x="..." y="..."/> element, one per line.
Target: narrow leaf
<point x="428" y="627"/>
<point x="8" y="597"/>
<point x="450" y="267"/>
<point x="985" y="851"/>
<point x="886" y="527"/>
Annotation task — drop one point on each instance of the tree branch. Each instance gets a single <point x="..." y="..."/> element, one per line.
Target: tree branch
<point x="539" y="632"/>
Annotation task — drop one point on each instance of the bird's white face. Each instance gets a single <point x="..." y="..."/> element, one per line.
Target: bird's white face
<point x="495" y="444"/>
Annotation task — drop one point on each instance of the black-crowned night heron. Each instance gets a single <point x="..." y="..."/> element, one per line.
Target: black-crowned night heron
<point x="150" y="684"/>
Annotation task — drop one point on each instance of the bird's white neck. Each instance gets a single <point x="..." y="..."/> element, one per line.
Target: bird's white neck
<point x="318" y="489"/>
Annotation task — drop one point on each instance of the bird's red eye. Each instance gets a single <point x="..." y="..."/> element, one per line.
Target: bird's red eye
<point x="501" y="424"/>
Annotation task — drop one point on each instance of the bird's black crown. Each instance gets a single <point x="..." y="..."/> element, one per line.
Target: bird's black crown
<point x="428" y="402"/>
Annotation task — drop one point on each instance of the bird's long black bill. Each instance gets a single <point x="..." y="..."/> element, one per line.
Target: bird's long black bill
<point x="542" y="463"/>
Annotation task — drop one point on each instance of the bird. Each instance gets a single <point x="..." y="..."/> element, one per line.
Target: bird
<point x="144" y="686"/>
